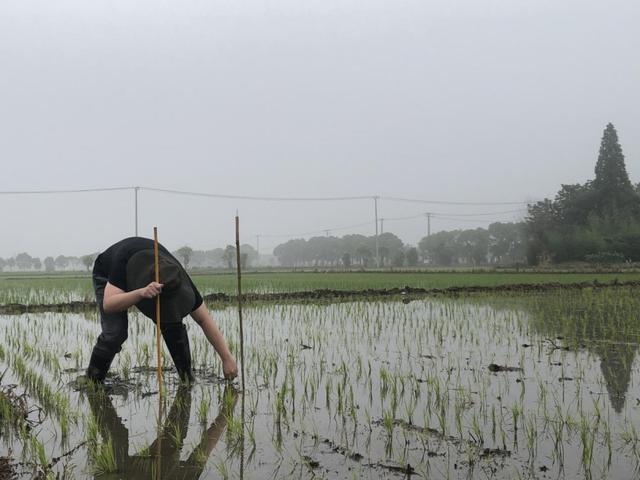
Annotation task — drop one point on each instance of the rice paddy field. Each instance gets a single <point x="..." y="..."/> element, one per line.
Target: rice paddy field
<point x="490" y="386"/>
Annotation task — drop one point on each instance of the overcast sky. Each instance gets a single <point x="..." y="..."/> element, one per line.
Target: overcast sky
<point x="469" y="101"/>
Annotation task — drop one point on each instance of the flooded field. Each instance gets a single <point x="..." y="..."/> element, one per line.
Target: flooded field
<point x="486" y="386"/>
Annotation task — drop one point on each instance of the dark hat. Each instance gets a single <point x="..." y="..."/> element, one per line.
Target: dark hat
<point x="177" y="298"/>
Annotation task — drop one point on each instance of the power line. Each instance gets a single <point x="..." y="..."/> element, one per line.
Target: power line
<point x="375" y="198"/>
<point x="467" y="220"/>
<point x="79" y="190"/>
<point x="254" y="197"/>
<point x="411" y="217"/>
<point x="261" y="198"/>
<point x="304" y="234"/>
<point x="442" y="202"/>
<point x="443" y="215"/>
<point x="520" y="210"/>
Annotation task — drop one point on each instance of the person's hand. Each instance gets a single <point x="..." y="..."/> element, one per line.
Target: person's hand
<point x="230" y="368"/>
<point x="151" y="290"/>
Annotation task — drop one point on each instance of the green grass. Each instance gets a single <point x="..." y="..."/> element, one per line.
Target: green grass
<point x="39" y="289"/>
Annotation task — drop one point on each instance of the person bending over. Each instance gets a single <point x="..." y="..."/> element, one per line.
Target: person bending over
<point x="123" y="276"/>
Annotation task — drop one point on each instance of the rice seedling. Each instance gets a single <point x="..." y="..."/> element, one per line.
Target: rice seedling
<point x="103" y="458"/>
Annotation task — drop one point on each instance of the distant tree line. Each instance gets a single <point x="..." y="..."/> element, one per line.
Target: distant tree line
<point x="347" y="251"/>
<point x="25" y="262"/>
<point x="500" y="244"/>
<point x="598" y="221"/>
<point x="216" y="258"/>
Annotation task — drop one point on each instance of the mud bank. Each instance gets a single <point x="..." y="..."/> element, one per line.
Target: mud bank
<point x="328" y="295"/>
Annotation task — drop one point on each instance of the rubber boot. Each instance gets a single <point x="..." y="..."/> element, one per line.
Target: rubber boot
<point x="98" y="367"/>
<point x="177" y="341"/>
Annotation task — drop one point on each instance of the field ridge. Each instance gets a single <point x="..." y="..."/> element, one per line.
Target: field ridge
<point x="407" y="292"/>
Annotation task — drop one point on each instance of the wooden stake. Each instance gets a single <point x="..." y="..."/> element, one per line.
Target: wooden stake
<point x="239" y="270"/>
<point x="157" y="279"/>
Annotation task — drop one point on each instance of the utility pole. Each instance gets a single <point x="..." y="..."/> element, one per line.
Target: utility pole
<point x="135" y="189"/>
<point x="428" y="215"/>
<point x="375" y="206"/>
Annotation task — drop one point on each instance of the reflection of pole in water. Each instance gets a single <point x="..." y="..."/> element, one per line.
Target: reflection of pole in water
<point x="158" y="474"/>
<point x="242" y="438"/>
<point x="239" y="269"/>
<point x="157" y="279"/>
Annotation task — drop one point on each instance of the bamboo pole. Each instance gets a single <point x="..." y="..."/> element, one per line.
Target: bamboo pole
<point x="157" y="279"/>
<point x="239" y="274"/>
<point x="239" y="270"/>
<point x="156" y="268"/>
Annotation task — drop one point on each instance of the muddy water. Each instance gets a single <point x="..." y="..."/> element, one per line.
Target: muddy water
<point x="350" y="390"/>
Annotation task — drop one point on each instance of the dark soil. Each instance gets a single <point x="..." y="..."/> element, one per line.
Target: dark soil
<point x="7" y="469"/>
<point x="502" y="368"/>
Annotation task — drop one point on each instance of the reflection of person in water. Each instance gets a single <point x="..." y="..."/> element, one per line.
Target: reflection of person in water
<point x="168" y="444"/>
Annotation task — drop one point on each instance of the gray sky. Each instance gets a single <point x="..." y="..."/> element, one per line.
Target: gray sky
<point x="479" y="101"/>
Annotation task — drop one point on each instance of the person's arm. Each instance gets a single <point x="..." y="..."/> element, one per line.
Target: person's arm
<point x="117" y="300"/>
<point x="209" y="439"/>
<point x="208" y="325"/>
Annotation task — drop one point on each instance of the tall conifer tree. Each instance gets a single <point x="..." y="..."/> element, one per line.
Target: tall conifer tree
<point x="612" y="181"/>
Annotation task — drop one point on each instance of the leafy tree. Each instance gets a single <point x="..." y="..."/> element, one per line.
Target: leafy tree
<point x="612" y="181"/>
<point x="61" y="262"/>
<point x="388" y="246"/>
<point x="473" y="246"/>
<point x="351" y="244"/>
<point x="49" y="264"/>
<point x="439" y="248"/>
<point x="603" y="215"/>
<point x="251" y="255"/>
<point x="75" y="262"/>
<point x="412" y="257"/>
<point x="398" y="259"/>
<point x="575" y="202"/>
<point x="36" y="263"/>
<point x="507" y="242"/>
<point x="185" y="253"/>
<point x="229" y="256"/>
<point x="87" y="260"/>
<point x="24" y="261"/>
<point x="383" y="252"/>
<point x="364" y="255"/>
<point x="290" y="253"/>
<point x="346" y="260"/>
<point x="323" y="250"/>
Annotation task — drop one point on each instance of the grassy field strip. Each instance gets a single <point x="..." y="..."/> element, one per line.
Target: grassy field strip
<point x="62" y="289"/>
